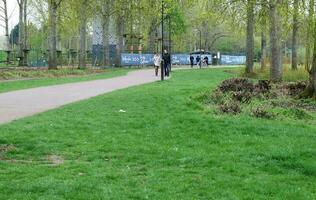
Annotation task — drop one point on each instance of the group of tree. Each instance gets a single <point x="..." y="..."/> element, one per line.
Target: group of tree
<point x="223" y="24"/>
<point x="285" y="20"/>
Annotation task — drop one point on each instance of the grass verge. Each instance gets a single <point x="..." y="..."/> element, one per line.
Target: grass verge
<point x="57" y="77"/>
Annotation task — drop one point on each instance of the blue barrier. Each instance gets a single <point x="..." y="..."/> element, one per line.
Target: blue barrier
<point x="184" y="59"/>
<point x="136" y="59"/>
<point x="232" y="60"/>
<point x="177" y="59"/>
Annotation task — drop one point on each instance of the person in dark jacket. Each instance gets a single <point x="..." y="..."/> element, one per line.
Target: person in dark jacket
<point x="206" y="60"/>
<point x="167" y="62"/>
<point x="191" y="60"/>
<point x="198" y="60"/>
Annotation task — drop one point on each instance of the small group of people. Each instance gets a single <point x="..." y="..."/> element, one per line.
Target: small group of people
<point x="199" y="61"/>
<point x="166" y="58"/>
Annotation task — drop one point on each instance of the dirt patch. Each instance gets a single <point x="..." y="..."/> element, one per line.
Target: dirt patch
<point x="55" y="160"/>
<point x="4" y="148"/>
<point x="261" y="99"/>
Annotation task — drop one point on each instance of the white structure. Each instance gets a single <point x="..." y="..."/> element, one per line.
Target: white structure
<point x="4" y="43"/>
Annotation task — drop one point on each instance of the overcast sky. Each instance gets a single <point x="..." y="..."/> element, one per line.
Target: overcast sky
<point x="13" y="13"/>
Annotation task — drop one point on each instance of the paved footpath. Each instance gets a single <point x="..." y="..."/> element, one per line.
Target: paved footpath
<point x="22" y="103"/>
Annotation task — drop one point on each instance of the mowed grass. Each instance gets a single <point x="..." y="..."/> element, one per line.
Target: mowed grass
<point x="6" y="86"/>
<point x="163" y="147"/>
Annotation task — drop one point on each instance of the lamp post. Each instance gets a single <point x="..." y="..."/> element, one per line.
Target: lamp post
<point x="200" y="64"/>
<point x="162" y="39"/>
<point x="170" y="42"/>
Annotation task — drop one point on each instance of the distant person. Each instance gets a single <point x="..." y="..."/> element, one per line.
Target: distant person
<point x="191" y="60"/>
<point x="206" y="60"/>
<point x="198" y="60"/>
<point x="167" y="62"/>
<point x="157" y="62"/>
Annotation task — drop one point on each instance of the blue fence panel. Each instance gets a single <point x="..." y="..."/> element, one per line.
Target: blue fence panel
<point x="180" y="59"/>
<point x="184" y="59"/>
<point x="137" y="59"/>
<point x="146" y="59"/>
<point x="177" y="59"/>
<point x="233" y="60"/>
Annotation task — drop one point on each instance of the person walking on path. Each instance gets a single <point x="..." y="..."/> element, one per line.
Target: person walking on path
<point x="191" y="60"/>
<point x="157" y="62"/>
<point x="206" y="60"/>
<point x="198" y="60"/>
<point x="167" y="62"/>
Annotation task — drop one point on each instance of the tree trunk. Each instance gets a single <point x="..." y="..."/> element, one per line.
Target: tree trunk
<point x="264" y="50"/>
<point x="25" y="46"/>
<point x="119" y="46"/>
<point x="308" y="36"/>
<point x="311" y="89"/>
<point x="295" y="35"/>
<point x="83" y="33"/>
<point x="5" y="7"/>
<point x="106" y="34"/>
<point x="263" y="60"/>
<point x="152" y="36"/>
<point x="313" y="72"/>
<point x="21" y="35"/>
<point x="250" y="36"/>
<point x="52" y="58"/>
<point x="275" y="41"/>
<point x="106" y="49"/>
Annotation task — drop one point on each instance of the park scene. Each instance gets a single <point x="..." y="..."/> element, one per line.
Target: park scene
<point x="157" y="99"/>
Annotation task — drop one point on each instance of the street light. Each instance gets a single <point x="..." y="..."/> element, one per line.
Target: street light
<point x="200" y="47"/>
<point x="162" y="39"/>
<point x="169" y="29"/>
<point x="200" y="64"/>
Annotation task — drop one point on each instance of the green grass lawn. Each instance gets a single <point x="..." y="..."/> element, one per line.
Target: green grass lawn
<point x="163" y="147"/>
<point x="6" y="86"/>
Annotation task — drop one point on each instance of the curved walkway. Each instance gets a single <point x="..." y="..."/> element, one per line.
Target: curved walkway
<point x="18" y="104"/>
